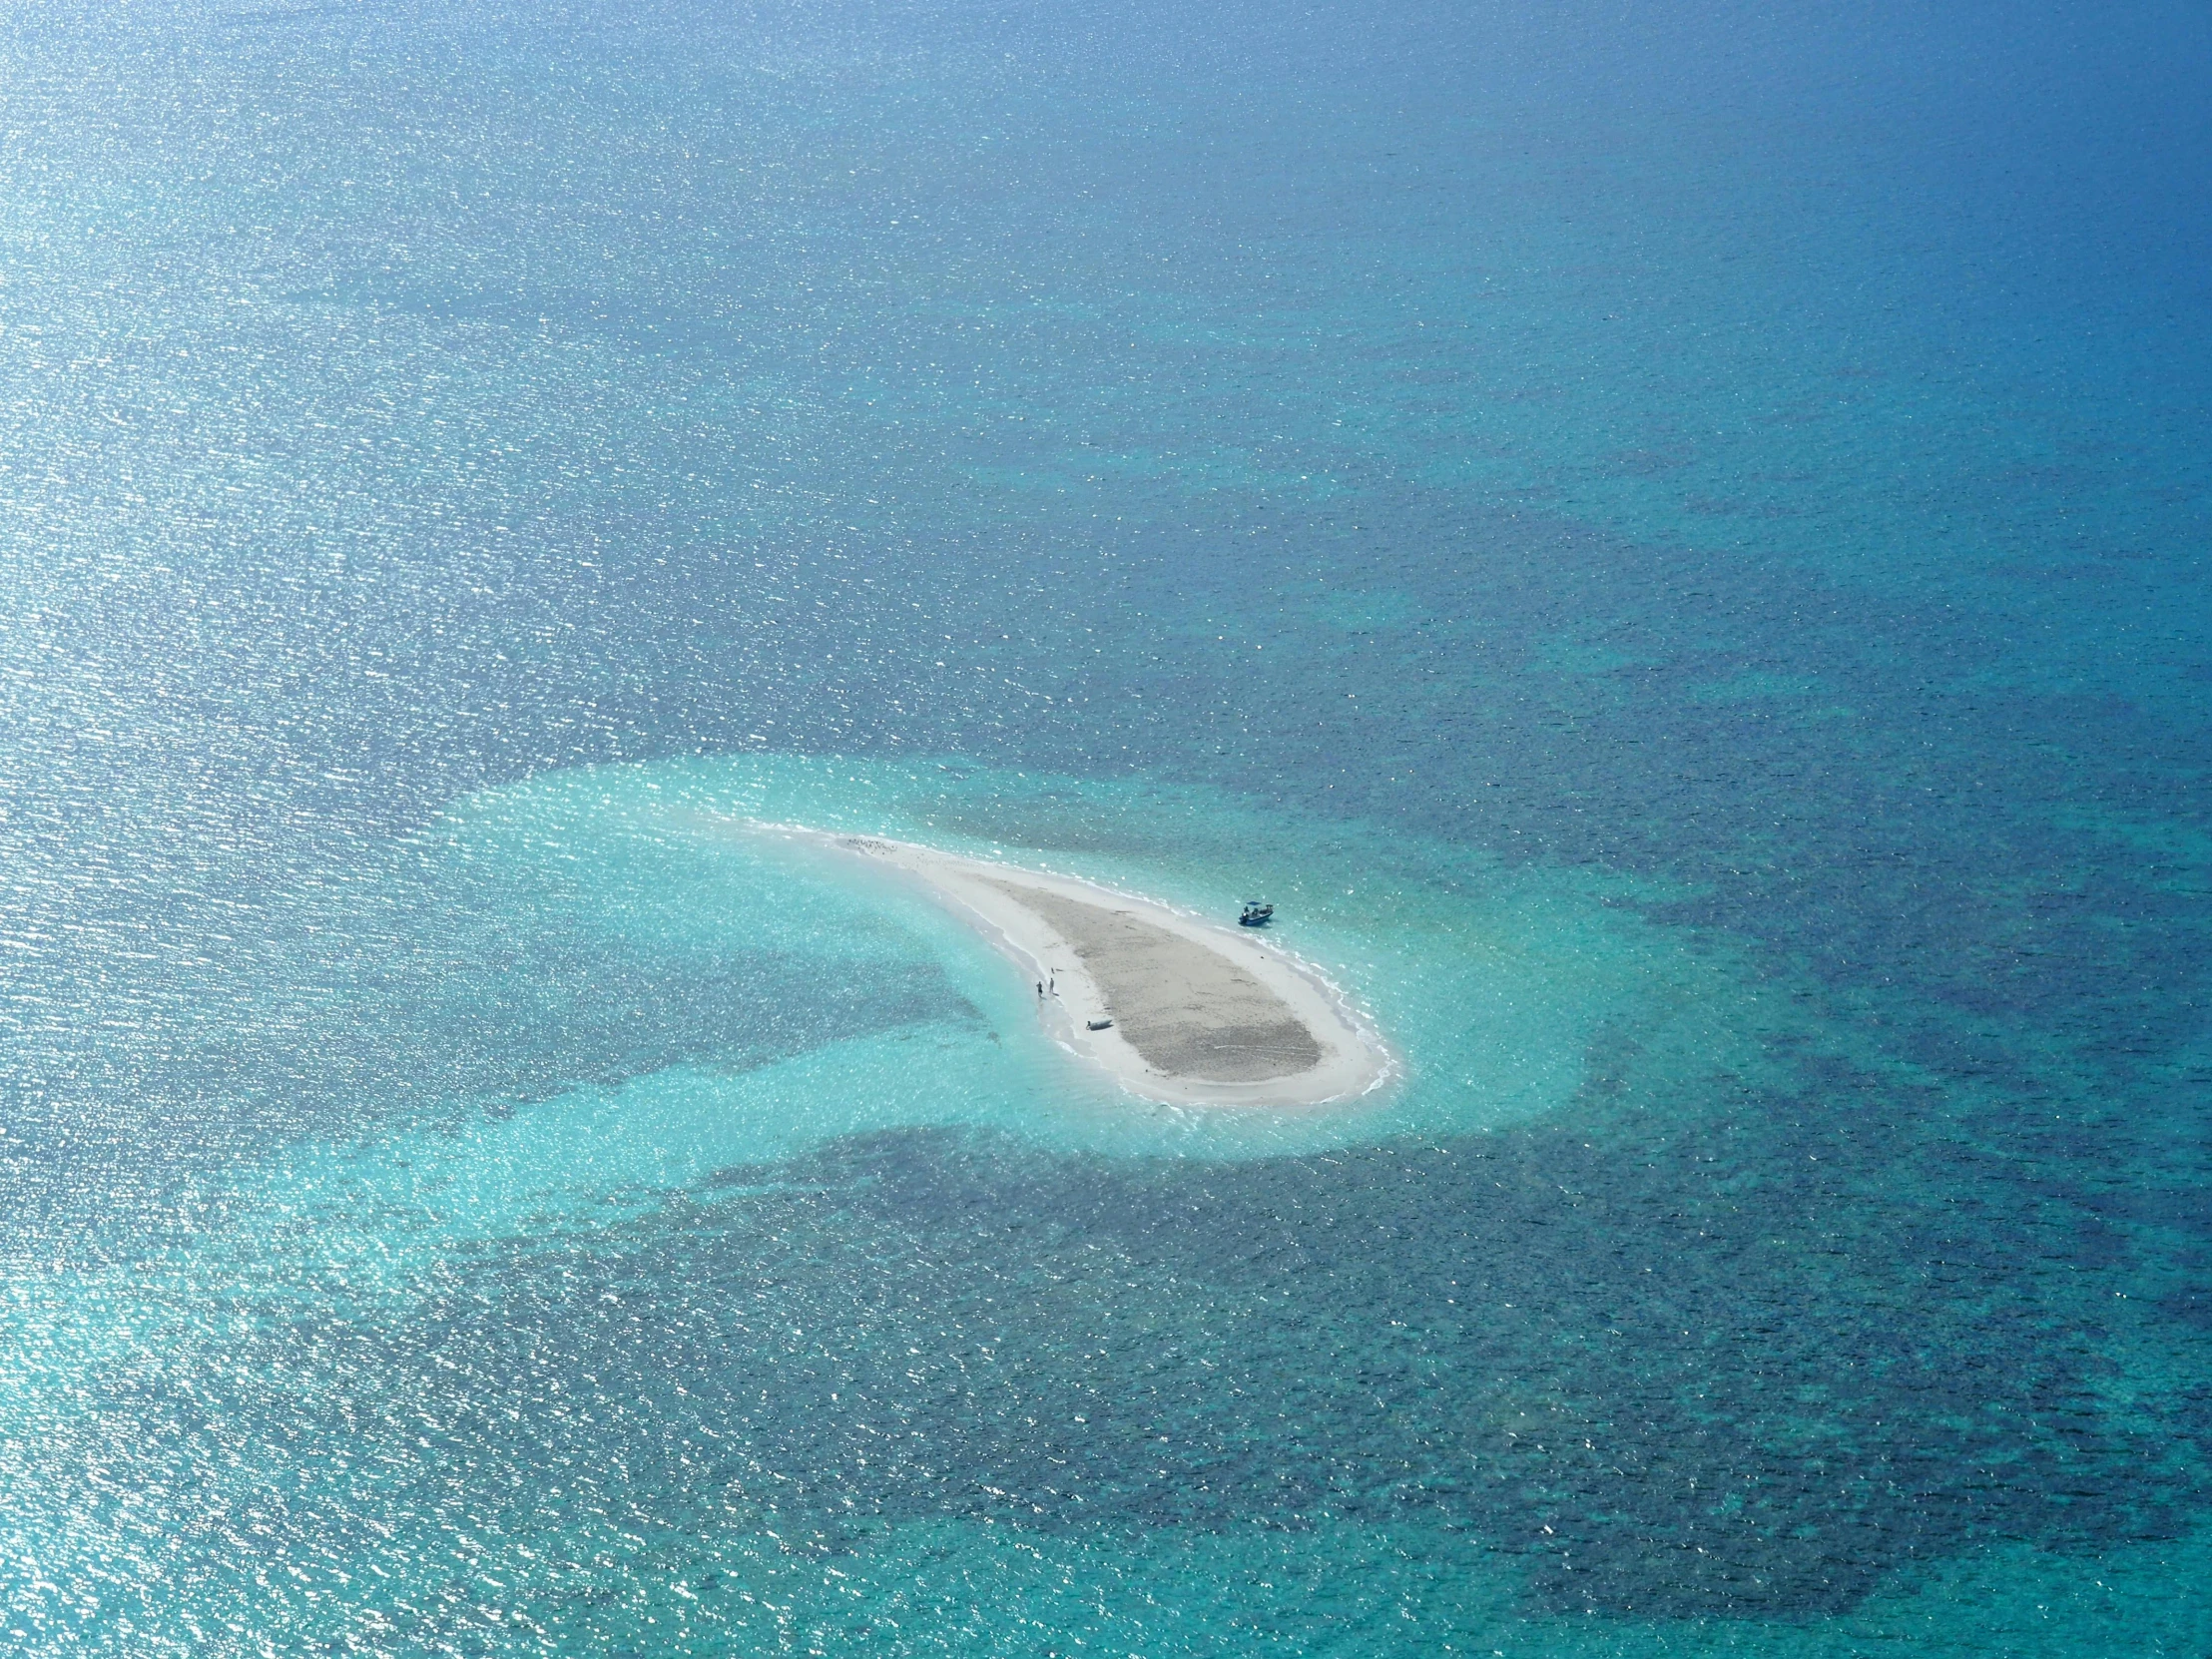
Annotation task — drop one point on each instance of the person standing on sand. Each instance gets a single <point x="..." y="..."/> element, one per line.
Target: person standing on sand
<point x="1040" y="990"/>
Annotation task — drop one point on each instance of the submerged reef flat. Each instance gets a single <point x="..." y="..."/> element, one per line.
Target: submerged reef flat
<point x="1174" y="1008"/>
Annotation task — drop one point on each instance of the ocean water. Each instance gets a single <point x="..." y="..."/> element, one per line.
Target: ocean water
<point x="1667" y="540"/>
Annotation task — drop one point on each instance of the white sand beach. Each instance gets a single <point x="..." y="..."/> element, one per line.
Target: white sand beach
<point x="1200" y="1014"/>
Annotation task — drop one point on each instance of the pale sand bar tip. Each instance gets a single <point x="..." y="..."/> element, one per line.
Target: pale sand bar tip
<point x="1202" y="1014"/>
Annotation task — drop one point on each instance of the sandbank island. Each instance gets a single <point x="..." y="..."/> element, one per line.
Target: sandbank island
<point x="1175" y="1008"/>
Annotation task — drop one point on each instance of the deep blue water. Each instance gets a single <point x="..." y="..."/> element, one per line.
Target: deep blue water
<point x="1669" y="539"/>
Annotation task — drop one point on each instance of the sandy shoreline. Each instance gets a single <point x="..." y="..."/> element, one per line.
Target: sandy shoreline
<point x="1203" y="1015"/>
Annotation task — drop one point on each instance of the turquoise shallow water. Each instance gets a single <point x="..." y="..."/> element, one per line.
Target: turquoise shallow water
<point x="1667" y="543"/>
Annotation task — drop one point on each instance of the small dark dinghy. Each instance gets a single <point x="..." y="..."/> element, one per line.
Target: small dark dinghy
<point x="1256" y="914"/>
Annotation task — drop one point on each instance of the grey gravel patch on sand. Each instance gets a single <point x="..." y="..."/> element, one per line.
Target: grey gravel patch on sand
<point x="1188" y="1011"/>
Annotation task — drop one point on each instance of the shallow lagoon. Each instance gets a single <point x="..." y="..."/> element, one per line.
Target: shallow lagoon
<point x="917" y="1327"/>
